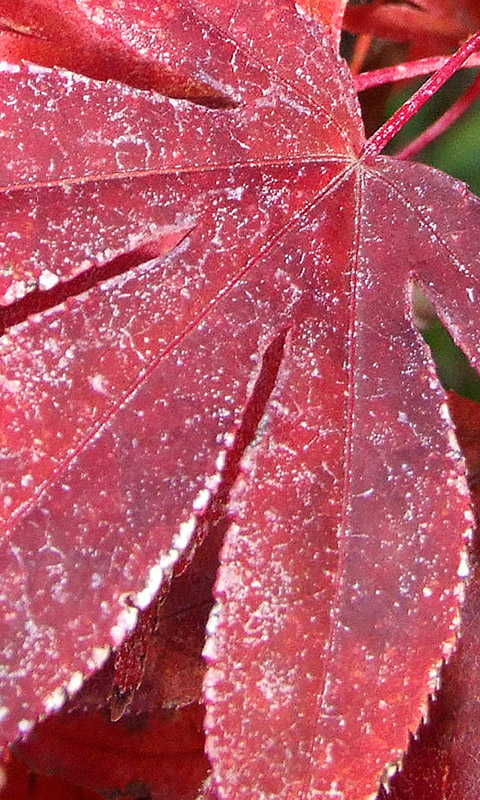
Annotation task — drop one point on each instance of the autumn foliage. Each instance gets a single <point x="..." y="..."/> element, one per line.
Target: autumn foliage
<point x="238" y="559"/>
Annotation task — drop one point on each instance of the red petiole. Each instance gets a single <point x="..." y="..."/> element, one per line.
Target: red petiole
<point x="398" y="120"/>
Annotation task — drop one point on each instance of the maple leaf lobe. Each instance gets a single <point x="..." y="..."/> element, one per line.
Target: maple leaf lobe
<point x="271" y="225"/>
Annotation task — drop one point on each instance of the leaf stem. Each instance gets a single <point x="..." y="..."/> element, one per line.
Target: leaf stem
<point x="401" y="72"/>
<point x="441" y="125"/>
<point x="397" y="121"/>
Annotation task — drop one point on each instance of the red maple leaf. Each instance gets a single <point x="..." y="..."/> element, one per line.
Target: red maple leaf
<point x="222" y="300"/>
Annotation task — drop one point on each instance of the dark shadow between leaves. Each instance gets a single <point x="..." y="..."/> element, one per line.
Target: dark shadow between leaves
<point x="40" y="300"/>
<point x="195" y="574"/>
<point x="453" y="368"/>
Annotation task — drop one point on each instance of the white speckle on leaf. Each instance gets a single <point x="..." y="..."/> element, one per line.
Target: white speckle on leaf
<point x="96" y="580"/>
<point x="185" y="532"/>
<point x="220" y="462"/>
<point x="209" y="650"/>
<point x="6" y="67"/>
<point x="445" y="413"/>
<point x="212" y="482"/>
<point x="10" y="386"/>
<point x="25" y="725"/>
<point x="98" y="657"/>
<point x="201" y="501"/>
<point x="75" y="683"/>
<point x="229" y="440"/>
<point x="126" y="622"/>
<point x="463" y="568"/>
<point x="47" y="280"/>
<point x="143" y="599"/>
<point x="213" y="619"/>
<point x="99" y="383"/>
<point x="55" y="700"/>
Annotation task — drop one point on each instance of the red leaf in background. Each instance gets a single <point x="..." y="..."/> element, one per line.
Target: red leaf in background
<point x="431" y="26"/>
<point x="253" y="256"/>
<point x="159" y="755"/>
<point x="22" y="784"/>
